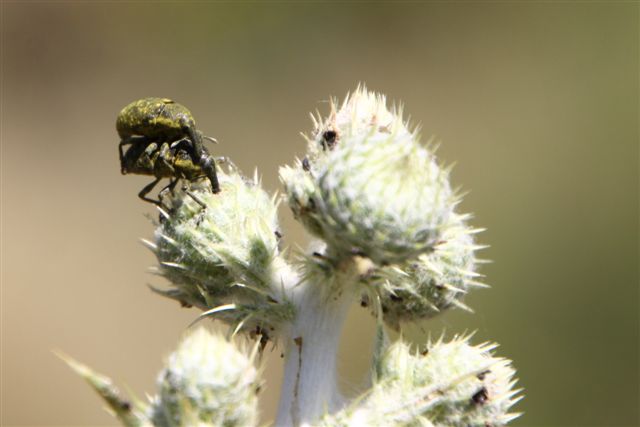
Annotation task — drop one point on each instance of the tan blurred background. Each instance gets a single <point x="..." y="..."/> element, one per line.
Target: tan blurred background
<point x="536" y="102"/>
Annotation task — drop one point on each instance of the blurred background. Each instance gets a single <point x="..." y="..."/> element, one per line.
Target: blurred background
<point x="537" y="103"/>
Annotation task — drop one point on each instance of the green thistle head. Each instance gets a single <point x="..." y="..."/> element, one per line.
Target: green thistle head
<point x="467" y="385"/>
<point x="421" y="288"/>
<point x="447" y="384"/>
<point x="208" y="382"/>
<point x="220" y="253"/>
<point x="367" y="186"/>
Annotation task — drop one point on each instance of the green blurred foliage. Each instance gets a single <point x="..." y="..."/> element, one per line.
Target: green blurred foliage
<point x="537" y="103"/>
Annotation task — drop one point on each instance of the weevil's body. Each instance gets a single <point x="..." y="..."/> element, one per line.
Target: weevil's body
<point x="164" y="143"/>
<point x="158" y="119"/>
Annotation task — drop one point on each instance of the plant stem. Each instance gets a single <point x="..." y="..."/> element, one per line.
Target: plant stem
<point x="309" y="389"/>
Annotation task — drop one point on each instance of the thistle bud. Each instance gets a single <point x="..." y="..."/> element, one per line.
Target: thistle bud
<point x="220" y="253"/>
<point x="447" y="384"/>
<point x="435" y="281"/>
<point x="367" y="185"/>
<point x="206" y="382"/>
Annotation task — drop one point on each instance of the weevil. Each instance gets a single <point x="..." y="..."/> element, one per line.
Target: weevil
<point x="164" y="143"/>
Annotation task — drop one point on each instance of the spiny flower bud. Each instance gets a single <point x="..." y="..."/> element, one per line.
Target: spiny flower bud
<point x="367" y="186"/>
<point x="220" y="253"/>
<point x="207" y="382"/>
<point x="448" y="384"/>
<point x="435" y="281"/>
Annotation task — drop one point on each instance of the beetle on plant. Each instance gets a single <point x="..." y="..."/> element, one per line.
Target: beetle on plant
<point x="164" y="142"/>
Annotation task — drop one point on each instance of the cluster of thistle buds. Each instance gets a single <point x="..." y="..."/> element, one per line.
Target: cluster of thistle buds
<point x="387" y="234"/>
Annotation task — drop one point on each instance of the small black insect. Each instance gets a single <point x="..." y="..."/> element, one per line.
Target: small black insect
<point x="364" y="301"/>
<point x="164" y="143"/>
<point x="306" y="166"/>
<point x="329" y="139"/>
<point x="480" y="397"/>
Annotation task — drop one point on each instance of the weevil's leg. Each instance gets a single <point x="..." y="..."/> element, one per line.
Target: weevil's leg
<point x="168" y="188"/>
<point x="163" y="165"/>
<point x="143" y="193"/>
<point x="172" y="184"/>
<point x="164" y="191"/>
<point x="205" y="160"/>
<point x="208" y="166"/>
<point x="127" y="141"/>
<point x="122" y="144"/>
<point x="180" y="141"/>
<point x="146" y="159"/>
<point x="165" y="155"/>
<point x="196" y="199"/>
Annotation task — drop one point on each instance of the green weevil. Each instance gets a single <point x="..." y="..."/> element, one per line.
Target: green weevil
<point x="164" y="142"/>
